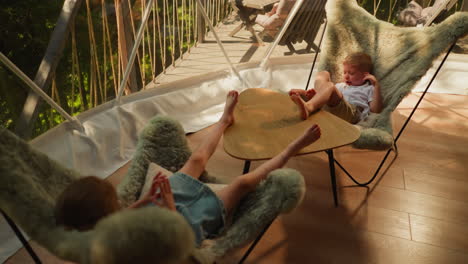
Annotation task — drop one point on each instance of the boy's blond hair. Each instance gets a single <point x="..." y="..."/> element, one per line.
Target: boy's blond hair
<point x="361" y="60"/>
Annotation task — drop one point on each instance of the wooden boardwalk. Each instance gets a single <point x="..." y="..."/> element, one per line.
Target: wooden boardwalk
<point x="207" y="56"/>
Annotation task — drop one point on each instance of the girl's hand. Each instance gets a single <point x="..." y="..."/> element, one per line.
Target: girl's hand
<point x="152" y="195"/>
<point x="159" y="194"/>
<point x="163" y="198"/>
<point x="166" y="195"/>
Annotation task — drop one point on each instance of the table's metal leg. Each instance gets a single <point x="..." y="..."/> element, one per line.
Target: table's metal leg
<point x="331" y="163"/>
<point x="246" y="166"/>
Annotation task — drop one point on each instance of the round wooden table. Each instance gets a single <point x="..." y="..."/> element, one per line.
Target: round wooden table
<point x="267" y="121"/>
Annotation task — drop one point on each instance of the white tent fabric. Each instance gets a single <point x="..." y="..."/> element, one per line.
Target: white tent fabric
<point x="110" y="132"/>
<point x="452" y="78"/>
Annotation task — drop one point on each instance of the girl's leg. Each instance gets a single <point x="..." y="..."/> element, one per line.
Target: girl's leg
<point x="234" y="192"/>
<point x="197" y="162"/>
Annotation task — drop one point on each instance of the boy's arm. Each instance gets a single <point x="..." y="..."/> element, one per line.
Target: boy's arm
<point x="376" y="105"/>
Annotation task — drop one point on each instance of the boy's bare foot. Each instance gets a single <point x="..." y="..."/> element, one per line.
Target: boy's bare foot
<point x="310" y="93"/>
<point x="303" y="108"/>
<point x="306" y="95"/>
<point x="297" y="91"/>
<point x="228" y="114"/>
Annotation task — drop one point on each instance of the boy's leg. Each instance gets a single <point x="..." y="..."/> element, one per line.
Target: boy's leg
<point x="322" y="77"/>
<point x="234" y="192"/>
<point x="326" y="93"/>
<point x="325" y="85"/>
<point x="197" y="162"/>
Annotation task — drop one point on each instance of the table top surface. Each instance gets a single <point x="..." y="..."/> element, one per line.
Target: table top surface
<point x="267" y="121"/>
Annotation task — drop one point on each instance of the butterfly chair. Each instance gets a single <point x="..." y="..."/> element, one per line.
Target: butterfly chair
<point x="401" y="57"/>
<point x="305" y="25"/>
<point x="247" y="10"/>
<point x="416" y="15"/>
<point x="439" y="7"/>
<point x="30" y="183"/>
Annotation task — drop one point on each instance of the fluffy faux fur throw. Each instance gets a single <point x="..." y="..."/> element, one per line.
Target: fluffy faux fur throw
<point x="401" y="57"/>
<point x="30" y="183"/>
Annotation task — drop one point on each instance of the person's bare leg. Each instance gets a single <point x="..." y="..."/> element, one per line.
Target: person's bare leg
<point x="197" y="162"/>
<point x="234" y="192"/>
<point x="326" y="93"/>
<point x="322" y="77"/>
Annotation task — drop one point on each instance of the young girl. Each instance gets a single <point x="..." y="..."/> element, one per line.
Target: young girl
<point x="84" y="202"/>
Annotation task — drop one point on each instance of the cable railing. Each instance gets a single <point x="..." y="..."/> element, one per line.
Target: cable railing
<point x="172" y="28"/>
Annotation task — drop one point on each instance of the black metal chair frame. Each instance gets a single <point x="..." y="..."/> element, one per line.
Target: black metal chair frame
<point x="21" y="237"/>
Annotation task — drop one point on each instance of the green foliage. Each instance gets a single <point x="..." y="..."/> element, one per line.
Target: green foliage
<point x="12" y="96"/>
<point x="25" y="32"/>
<point x="26" y="29"/>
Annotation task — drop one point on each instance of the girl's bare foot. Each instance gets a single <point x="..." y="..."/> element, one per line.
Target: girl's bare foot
<point x="228" y="114"/>
<point x="310" y="135"/>
<point x="303" y="107"/>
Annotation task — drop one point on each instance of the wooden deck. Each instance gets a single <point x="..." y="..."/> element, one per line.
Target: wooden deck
<point x="207" y="56"/>
<point x="416" y="213"/>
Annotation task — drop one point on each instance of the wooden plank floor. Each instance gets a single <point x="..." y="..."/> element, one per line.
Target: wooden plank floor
<point x="416" y="213"/>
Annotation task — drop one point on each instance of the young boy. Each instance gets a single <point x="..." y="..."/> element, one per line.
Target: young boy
<point x="86" y="201"/>
<point x="351" y="99"/>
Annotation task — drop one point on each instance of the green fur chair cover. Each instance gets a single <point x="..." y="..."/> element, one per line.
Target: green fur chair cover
<point x="401" y="57"/>
<point x="30" y="182"/>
